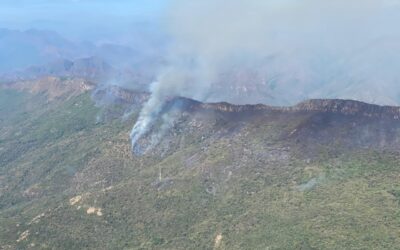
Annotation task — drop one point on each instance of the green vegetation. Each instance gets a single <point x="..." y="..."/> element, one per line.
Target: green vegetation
<point x="68" y="181"/>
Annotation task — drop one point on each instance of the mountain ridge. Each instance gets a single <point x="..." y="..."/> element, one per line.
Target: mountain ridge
<point x="347" y="107"/>
<point x="342" y="106"/>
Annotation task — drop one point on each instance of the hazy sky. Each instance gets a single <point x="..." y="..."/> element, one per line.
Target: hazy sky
<point x="80" y="19"/>
<point x="290" y="49"/>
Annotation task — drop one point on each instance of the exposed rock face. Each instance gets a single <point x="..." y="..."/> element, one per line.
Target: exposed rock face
<point x="226" y="107"/>
<point x="345" y="107"/>
<point x="348" y="107"/>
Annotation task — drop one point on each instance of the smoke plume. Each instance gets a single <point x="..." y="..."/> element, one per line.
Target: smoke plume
<point x="278" y="52"/>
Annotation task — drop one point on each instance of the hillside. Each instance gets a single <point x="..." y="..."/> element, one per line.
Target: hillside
<point x="323" y="174"/>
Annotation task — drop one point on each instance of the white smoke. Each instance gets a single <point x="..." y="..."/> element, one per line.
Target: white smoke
<point x="278" y="52"/>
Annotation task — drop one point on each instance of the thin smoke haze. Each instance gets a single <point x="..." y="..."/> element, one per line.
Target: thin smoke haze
<point x="278" y="52"/>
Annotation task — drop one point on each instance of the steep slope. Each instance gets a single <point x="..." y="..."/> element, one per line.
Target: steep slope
<point x="319" y="175"/>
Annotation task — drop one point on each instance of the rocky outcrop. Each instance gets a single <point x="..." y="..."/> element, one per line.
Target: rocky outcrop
<point x="345" y="107"/>
<point x="348" y="107"/>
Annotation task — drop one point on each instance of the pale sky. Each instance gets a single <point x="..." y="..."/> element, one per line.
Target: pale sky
<point x="81" y="19"/>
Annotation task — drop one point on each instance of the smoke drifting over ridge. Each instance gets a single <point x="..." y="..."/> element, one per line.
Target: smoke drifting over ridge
<point x="279" y="52"/>
<point x="289" y="50"/>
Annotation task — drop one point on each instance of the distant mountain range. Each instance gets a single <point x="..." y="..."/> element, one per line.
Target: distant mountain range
<point x="90" y="68"/>
<point x="37" y="53"/>
<point x="20" y="49"/>
<point x="368" y="75"/>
